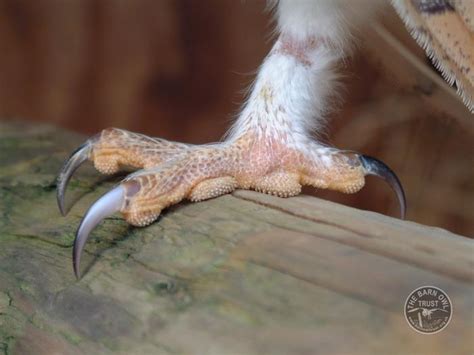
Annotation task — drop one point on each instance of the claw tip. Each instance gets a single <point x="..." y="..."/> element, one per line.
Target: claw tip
<point x="108" y="204"/>
<point x="78" y="157"/>
<point x="378" y="168"/>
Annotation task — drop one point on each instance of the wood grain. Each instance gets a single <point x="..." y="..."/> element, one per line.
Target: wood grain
<point x="242" y="274"/>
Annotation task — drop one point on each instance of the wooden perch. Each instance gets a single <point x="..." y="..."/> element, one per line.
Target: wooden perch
<point x="242" y="274"/>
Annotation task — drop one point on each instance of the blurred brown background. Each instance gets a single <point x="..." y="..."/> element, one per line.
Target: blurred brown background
<point x="178" y="69"/>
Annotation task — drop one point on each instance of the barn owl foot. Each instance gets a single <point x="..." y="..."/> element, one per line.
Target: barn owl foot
<point x="172" y="172"/>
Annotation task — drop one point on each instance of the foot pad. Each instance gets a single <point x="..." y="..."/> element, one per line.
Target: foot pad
<point x="212" y="188"/>
<point x="279" y="184"/>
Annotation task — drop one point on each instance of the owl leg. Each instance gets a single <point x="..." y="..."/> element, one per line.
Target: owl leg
<point x="270" y="147"/>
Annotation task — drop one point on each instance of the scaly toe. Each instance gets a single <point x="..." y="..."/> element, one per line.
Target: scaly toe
<point x="212" y="188"/>
<point x="279" y="184"/>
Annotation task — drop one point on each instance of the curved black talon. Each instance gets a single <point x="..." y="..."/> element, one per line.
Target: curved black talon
<point x="79" y="156"/>
<point x="378" y="168"/>
<point x="108" y="204"/>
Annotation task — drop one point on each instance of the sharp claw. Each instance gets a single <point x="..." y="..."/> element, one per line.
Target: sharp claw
<point x="79" y="156"/>
<point x="376" y="167"/>
<point x="108" y="204"/>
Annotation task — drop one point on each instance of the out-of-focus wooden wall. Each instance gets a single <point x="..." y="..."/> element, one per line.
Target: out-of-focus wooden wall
<point x="170" y="67"/>
<point x="178" y="68"/>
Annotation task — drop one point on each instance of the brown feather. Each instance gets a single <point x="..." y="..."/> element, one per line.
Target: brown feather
<point x="444" y="30"/>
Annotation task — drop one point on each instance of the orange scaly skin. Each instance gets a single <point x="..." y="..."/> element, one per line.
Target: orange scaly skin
<point x="177" y="171"/>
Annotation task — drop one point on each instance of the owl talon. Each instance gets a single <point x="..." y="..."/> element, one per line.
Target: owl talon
<point x="105" y="206"/>
<point x="77" y="158"/>
<point x="378" y="168"/>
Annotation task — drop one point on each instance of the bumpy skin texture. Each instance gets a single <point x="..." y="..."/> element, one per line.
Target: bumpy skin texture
<point x="117" y="147"/>
<point x="175" y="171"/>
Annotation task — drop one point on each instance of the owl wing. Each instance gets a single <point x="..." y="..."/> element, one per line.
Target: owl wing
<point x="445" y="29"/>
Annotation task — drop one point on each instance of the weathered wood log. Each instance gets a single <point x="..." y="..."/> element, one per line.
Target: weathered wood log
<point x="242" y="274"/>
